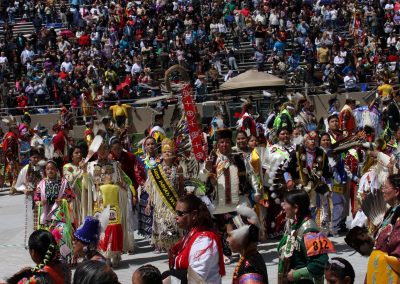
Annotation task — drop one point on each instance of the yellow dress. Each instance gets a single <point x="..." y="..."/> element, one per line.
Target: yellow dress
<point x="107" y="185"/>
<point x="382" y="268"/>
<point x="112" y="240"/>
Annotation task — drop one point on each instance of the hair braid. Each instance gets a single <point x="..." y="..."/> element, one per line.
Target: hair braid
<point x="150" y="274"/>
<point x="47" y="258"/>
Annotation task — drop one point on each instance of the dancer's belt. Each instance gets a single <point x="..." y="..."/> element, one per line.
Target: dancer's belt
<point x="338" y="188"/>
<point x="164" y="187"/>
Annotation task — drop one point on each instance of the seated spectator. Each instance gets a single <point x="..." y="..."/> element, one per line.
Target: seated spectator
<point x="350" y="82"/>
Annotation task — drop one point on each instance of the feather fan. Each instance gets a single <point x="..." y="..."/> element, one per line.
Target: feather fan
<point x="374" y="207"/>
<point x="250" y="214"/>
<point x="94" y="147"/>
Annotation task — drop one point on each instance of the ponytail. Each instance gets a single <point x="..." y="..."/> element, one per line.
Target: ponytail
<point x="47" y="258"/>
<point x="44" y="245"/>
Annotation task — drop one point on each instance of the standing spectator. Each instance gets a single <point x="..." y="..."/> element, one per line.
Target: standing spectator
<point x="11" y="13"/>
<point x="40" y="93"/>
<point x="323" y="54"/>
<point x="259" y="57"/>
<point x="213" y="73"/>
<point x="201" y="88"/>
<point x="27" y="54"/>
<point x="30" y="92"/>
<point x="232" y="60"/>
<point x="37" y="23"/>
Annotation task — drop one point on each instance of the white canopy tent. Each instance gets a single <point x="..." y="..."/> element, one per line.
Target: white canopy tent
<point x="252" y="79"/>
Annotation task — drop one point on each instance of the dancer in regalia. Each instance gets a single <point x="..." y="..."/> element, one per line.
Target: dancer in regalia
<point x="229" y="183"/>
<point x="150" y="159"/>
<point x="109" y="189"/>
<point x="164" y="185"/>
<point x="60" y="144"/>
<point x="309" y="167"/>
<point x="10" y="155"/>
<point x="53" y="196"/>
<point x="73" y="173"/>
<point x="243" y="231"/>
<point x="383" y="247"/>
<point x="275" y="158"/>
<point x="333" y="209"/>
<point x="27" y="181"/>
<point x="86" y="239"/>
<point x="299" y="261"/>
<point x="251" y="156"/>
<point x="25" y="136"/>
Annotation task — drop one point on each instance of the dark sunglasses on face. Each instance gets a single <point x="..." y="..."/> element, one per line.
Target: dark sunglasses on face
<point x="182" y="213"/>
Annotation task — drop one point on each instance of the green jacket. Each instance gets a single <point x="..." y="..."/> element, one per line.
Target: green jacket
<point x="306" y="269"/>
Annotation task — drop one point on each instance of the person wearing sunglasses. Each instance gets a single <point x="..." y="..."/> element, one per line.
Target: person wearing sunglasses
<point x="200" y="250"/>
<point x="339" y="271"/>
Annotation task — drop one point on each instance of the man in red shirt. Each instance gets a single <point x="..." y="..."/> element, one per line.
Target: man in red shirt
<point x="245" y="11"/>
<point x="84" y="40"/>
<point x="129" y="163"/>
<point x="10" y="157"/>
<point x="63" y="75"/>
<point x="60" y="143"/>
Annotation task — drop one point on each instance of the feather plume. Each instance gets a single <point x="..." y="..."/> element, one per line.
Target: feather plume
<point x="274" y="163"/>
<point x="94" y="147"/>
<point x="298" y="140"/>
<point x="383" y="159"/>
<point x="99" y="127"/>
<point x="295" y="97"/>
<point x="249" y="213"/>
<point x="49" y="151"/>
<point x="104" y="218"/>
<point x="241" y="233"/>
<point x="42" y="163"/>
<point x="374" y="207"/>
<point x="332" y="162"/>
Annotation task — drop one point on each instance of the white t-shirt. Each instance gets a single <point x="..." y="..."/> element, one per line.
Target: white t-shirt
<point x="3" y="59"/>
<point x="350" y="82"/>
<point x="273" y="19"/>
<point x="338" y="60"/>
<point x="334" y="14"/>
<point x="136" y="68"/>
<point x="67" y="66"/>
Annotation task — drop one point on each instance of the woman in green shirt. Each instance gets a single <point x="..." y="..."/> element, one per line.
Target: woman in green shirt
<point x="303" y="249"/>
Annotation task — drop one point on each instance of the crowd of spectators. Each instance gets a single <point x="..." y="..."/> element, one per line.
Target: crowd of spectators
<point x="88" y="52"/>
